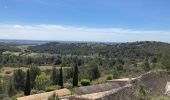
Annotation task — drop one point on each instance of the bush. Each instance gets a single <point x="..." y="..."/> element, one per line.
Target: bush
<point x="85" y="82"/>
<point x="8" y="72"/>
<point x="42" y="81"/>
<point x="68" y="85"/>
<point x="109" y="77"/>
<point x="34" y="91"/>
<point x="50" y="88"/>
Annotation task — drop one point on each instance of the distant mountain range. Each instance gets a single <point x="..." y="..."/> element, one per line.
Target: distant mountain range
<point x="39" y="42"/>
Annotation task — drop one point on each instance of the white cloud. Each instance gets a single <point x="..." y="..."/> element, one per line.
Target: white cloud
<point x="71" y="33"/>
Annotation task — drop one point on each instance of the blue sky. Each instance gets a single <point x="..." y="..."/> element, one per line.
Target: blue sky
<point x="85" y="20"/>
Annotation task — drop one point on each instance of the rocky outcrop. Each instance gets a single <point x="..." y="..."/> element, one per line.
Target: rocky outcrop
<point x="153" y="81"/>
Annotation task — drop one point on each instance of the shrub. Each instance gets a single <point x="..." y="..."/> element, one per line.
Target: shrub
<point x="68" y="85"/>
<point x="34" y="91"/>
<point x="109" y="77"/>
<point x="85" y="82"/>
<point x="42" y="81"/>
<point x="8" y="72"/>
<point x="50" y="88"/>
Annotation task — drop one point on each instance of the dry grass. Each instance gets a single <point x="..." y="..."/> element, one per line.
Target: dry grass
<point x="44" y="96"/>
<point x="4" y="70"/>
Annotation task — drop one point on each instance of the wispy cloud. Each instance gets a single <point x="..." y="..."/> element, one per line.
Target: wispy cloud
<point x="71" y="33"/>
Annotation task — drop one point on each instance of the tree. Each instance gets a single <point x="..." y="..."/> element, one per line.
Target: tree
<point x="27" y="84"/>
<point x="61" y="77"/>
<point x="34" y="72"/>
<point x="42" y="81"/>
<point x="57" y="60"/>
<point x="75" y="76"/>
<point x="115" y="74"/>
<point x="54" y="76"/>
<point x="1" y="86"/>
<point x="146" y="66"/>
<point x="19" y="79"/>
<point x="142" y="93"/>
<point x="165" y="60"/>
<point x="93" y="71"/>
<point x="10" y="88"/>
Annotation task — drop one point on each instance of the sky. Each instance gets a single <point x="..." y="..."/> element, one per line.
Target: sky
<point x="85" y="20"/>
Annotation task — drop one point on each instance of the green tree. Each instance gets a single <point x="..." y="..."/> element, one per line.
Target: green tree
<point x="61" y="77"/>
<point x="57" y="61"/>
<point x="42" y="81"/>
<point x="142" y="93"/>
<point x="54" y="76"/>
<point x="146" y="65"/>
<point x="94" y="71"/>
<point x="165" y="60"/>
<point x="1" y="86"/>
<point x="115" y="74"/>
<point x="34" y="72"/>
<point x="27" y="84"/>
<point x="10" y="88"/>
<point x="19" y="79"/>
<point x="75" y="76"/>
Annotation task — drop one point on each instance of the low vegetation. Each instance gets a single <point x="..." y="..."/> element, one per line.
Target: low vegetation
<point x="53" y="66"/>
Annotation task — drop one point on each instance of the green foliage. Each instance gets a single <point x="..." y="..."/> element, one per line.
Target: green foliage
<point x="54" y="76"/>
<point x="34" y="91"/>
<point x="27" y="84"/>
<point x="109" y="77"/>
<point x="68" y="85"/>
<point x="61" y="77"/>
<point x="95" y="61"/>
<point x="19" y="79"/>
<point x="85" y="82"/>
<point x="1" y="86"/>
<point x="146" y="66"/>
<point x="165" y="60"/>
<point x="75" y="76"/>
<point x="10" y="88"/>
<point x="50" y="88"/>
<point x="42" y="81"/>
<point x="142" y="93"/>
<point x="115" y="74"/>
<point x="57" y="61"/>
<point x="34" y="72"/>
<point x="94" y="71"/>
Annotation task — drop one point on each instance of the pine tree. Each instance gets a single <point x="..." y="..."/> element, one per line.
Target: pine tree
<point x="75" y="76"/>
<point x="61" y="77"/>
<point x="54" y="77"/>
<point x="27" y="84"/>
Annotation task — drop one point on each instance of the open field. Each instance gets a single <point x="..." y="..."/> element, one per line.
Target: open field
<point x="8" y="71"/>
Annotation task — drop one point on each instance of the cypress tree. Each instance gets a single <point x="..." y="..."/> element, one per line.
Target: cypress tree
<point x="27" y="84"/>
<point x="34" y="72"/>
<point x="54" y="77"/>
<point x="61" y="77"/>
<point x="10" y="88"/>
<point x="75" y="76"/>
